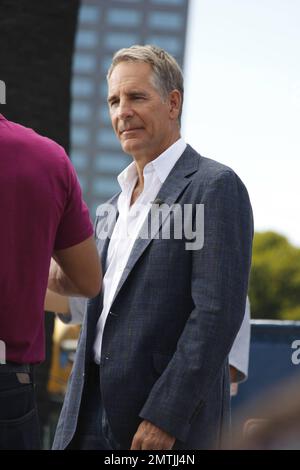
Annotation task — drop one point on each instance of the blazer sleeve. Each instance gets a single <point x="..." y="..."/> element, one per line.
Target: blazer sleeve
<point x="219" y="284"/>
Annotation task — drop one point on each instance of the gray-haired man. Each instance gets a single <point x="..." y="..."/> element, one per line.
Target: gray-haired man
<point x="151" y="369"/>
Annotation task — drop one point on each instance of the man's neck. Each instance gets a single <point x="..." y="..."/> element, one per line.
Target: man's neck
<point x="141" y="160"/>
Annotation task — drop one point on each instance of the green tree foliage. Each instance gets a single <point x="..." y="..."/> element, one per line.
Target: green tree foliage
<point x="275" y="278"/>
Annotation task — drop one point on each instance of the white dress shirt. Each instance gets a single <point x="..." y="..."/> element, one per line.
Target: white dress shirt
<point x="129" y="224"/>
<point x="239" y="354"/>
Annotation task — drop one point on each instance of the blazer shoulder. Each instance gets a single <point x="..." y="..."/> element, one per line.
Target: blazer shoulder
<point x="210" y="172"/>
<point x="210" y="168"/>
<point x="207" y="167"/>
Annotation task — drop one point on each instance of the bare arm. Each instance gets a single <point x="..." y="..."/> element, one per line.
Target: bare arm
<point x="77" y="270"/>
<point x="56" y="303"/>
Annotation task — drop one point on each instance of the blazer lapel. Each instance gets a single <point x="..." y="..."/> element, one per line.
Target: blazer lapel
<point x="173" y="187"/>
<point x="106" y="218"/>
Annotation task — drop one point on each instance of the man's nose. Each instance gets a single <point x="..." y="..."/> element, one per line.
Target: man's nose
<point x="125" y="110"/>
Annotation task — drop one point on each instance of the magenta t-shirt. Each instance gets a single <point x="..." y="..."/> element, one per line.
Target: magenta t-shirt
<point x="41" y="210"/>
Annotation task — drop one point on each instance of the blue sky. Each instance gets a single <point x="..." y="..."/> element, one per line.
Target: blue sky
<point x="242" y="101"/>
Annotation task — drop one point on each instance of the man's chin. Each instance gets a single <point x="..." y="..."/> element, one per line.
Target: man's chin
<point x="130" y="146"/>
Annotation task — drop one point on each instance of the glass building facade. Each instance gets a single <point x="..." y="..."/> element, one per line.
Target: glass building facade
<point x="103" y="28"/>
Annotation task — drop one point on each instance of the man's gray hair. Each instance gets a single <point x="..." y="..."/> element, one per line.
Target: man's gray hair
<point x="167" y="75"/>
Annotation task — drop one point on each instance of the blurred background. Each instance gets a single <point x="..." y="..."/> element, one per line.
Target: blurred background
<point x="242" y="107"/>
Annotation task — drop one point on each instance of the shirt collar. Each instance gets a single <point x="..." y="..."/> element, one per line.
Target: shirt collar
<point x="162" y="165"/>
<point x="128" y="176"/>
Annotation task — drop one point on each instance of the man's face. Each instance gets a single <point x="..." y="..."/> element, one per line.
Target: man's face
<point x="145" y="124"/>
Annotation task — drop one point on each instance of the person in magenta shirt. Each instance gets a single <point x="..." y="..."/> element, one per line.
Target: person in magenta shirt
<point x="42" y="216"/>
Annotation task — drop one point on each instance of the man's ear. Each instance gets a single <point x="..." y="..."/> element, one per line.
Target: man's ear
<point x="175" y="100"/>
